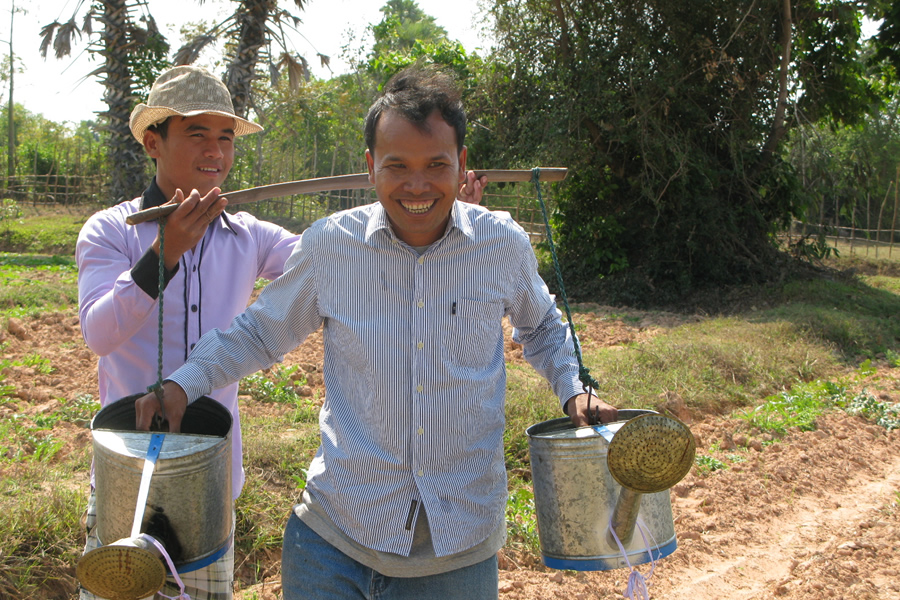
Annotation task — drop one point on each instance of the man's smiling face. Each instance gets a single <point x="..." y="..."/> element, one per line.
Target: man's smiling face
<point x="416" y="171"/>
<point x="197" y="153"/>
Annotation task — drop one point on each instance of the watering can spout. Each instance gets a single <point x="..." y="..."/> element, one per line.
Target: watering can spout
<point x="624" y="516"/>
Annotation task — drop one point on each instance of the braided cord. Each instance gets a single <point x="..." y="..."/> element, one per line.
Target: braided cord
<point x="584" y="375"/>
<point x="157" y="388"/>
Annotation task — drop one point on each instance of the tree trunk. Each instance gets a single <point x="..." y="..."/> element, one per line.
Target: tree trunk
<point x="126" y="158"/>
<point x="251" y="17"/>
<point x="778" y="129"/>
<point x="10" y="113"/>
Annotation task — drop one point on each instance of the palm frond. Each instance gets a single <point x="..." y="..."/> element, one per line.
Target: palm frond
<point x="274" y="73"/>
<point x="297" y="68"/>
<point x="137" y="35"/>
<point x="188" y="53"/>
<point x="47" y="37"/>
<point x="62" y="45"/>
<point x="152" y="29"/>
<point x="87" y="26"/>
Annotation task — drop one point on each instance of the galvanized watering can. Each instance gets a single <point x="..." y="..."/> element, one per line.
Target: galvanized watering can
<point x="163" y="499"/>
<point x="594" y="486"/>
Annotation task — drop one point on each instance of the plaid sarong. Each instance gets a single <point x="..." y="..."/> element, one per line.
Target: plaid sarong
<point x="213" y="582"/>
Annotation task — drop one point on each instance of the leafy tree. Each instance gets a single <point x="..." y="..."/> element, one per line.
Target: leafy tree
<point x="849" y="172"/>
<point x="403" y="25"/>
<point x="406" y="35"/>
<point x="672" y="118"/>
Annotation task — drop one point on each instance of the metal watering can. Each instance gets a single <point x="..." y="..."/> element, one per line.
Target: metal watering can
<point x="594" y="485"/>
<point x="159" y="496"/>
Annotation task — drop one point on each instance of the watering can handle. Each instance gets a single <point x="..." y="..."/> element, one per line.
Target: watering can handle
<point x="156" y="442"/>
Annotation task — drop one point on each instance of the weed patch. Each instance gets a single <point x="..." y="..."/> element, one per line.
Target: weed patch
<point x="885" y="414"/>
<point x="799" y="407"/>
<point x="521" y="521"/>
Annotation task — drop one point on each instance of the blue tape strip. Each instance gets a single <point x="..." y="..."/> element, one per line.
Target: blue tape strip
<point x="205" y="561"/>
<point x="609" y="563"/>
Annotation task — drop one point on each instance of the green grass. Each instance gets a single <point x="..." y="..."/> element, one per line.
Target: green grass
<point x="40" y="527"/>
<point x="715" y="365"/>
<point x="31" y="284"/>
<point x="856" y="319"/>
<point x="43" y="234"/>
<point x="277" y="452"/>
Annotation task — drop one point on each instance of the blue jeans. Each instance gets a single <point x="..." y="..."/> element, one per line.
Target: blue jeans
<point x="313" y="569"/>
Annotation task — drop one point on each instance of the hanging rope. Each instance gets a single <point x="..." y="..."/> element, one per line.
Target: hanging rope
<point x="584" y="375"/>
<point x="161" y="281"/>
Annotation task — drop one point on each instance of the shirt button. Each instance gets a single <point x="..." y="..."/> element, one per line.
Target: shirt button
<point x="421" y="260"/>
<point x="194" y="268"/>
<point x="420" y="473"/>
<point x="420" y="345"/>
<point x="420" y="432"/>
<point x="419" y="388"/>
<point x="193" y="308"/>
<point x="421" y="304"/>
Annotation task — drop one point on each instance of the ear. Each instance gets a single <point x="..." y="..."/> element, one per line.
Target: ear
<point x="370" y="164"/>
<point x="462" y="164"/>
<point x="152" y="142"/>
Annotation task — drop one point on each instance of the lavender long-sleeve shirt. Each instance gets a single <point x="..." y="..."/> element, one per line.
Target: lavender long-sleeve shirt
<point x="117" y="294"/>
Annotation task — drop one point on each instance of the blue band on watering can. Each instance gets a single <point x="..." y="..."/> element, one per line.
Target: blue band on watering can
<point x="206" y="560"/>
<point x="604" y="431"/>
<point x="608" y="564"/>
<point x="153" y="450"/>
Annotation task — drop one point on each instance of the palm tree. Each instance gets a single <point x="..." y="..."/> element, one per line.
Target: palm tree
<point x="251" y="31"/>
<point x="134" y="52"/>
<point x="124" y="46"/>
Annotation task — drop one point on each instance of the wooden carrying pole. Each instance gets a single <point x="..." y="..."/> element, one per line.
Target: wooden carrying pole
<point x="357" y="181"/>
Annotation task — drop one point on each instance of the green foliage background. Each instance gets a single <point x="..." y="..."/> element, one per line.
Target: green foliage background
<point x="693" y="133"/>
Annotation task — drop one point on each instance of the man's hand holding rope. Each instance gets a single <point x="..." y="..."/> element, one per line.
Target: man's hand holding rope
<point x="185" y="227"/>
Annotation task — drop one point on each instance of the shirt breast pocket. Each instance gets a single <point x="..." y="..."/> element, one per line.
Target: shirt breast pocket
<point x="474" y="333"/>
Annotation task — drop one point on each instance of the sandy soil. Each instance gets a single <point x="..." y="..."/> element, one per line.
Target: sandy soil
<point x="813" y="515"/>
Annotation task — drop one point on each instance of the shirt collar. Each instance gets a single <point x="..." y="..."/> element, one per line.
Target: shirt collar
<point x="460" y="219"/>
<point x="153" y="196"/>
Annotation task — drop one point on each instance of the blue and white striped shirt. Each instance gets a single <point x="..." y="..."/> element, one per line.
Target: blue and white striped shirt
<point x="414" y="368"/>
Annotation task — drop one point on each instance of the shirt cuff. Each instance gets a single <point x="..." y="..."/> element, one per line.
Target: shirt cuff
<point x="145" y="273"/>
<point x="192" y="380"/>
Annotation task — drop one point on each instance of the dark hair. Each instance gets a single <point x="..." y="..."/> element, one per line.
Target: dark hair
<point x="162" y="128"/>
<point x="414" y="93"/>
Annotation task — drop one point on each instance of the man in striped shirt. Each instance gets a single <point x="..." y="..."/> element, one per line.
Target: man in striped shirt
<point x="405" y="497"/>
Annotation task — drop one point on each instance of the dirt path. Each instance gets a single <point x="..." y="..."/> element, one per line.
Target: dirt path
<point x="787" y="559"/>
<point x="814" y="515"/>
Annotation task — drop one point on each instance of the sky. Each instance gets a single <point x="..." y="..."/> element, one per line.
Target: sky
<point x="60" y="90"/>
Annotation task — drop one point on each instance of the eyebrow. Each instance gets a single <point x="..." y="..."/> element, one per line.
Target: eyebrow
<point x="395" y="157"/>
<point x="198" y="127"/>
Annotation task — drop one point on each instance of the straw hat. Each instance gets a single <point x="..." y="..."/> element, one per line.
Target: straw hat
<point x="187" y="91"/>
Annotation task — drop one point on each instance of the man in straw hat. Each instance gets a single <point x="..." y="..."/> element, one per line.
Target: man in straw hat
<point x="405" y="497"/>
<point x="212" y="261"/>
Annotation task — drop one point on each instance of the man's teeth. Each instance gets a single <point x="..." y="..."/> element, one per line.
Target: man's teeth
<point x="209" y="170"/>
<point x="418" y="207"/>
